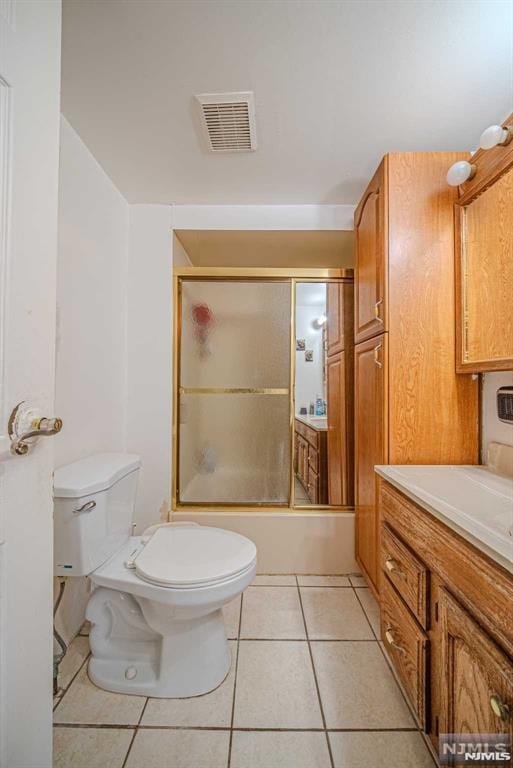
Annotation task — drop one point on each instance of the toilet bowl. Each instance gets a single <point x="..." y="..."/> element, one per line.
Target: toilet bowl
<point x="157" y="626"/>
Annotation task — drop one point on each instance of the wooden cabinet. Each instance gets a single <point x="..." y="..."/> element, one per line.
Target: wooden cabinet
<point x="370" y="226"/>
<point x="370" y="446"/>
<point x="311" y="466"/>
<point x="484" y="263"/>
<point x="406" y="644"/>
<point x="476" y="676"/>
<point x="340" y="316"/>
<point x="340" y="393"/>
<point x="416" y="409"/>
<point x="447" y="623"/>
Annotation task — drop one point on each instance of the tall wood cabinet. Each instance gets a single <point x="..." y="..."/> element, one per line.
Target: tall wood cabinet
<point x="340" y="392"/>
<point x="410" y="405"/>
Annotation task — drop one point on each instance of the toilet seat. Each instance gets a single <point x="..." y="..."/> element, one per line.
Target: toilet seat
<point x="183" y="557"/>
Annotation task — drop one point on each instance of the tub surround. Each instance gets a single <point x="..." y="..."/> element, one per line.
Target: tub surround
<point x="471" y="500"/>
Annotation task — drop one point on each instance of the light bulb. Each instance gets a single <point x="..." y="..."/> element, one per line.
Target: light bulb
<point x="493" y="136"/>
<point x="460" y="172"/>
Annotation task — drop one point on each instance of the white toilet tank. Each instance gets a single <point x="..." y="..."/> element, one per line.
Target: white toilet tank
<point x="94" y="501"/>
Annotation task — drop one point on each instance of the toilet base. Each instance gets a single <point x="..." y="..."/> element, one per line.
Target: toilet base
<point x="189" y="658"/>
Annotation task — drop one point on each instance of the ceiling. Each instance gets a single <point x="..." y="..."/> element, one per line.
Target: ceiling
<point x="268" y="248"/>
<point x="337" y="84"/>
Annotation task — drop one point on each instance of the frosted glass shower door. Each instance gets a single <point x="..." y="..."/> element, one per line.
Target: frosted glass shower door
<point x="234" y="396"/>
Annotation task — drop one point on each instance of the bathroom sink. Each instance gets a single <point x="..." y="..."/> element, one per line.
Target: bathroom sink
<point x="471" y="498"/>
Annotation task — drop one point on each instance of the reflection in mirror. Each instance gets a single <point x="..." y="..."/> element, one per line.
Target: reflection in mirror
<point x="311" y="407"/>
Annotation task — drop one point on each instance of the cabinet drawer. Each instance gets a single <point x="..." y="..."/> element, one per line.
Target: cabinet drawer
<point x="406" y="572"/>
<point x="300" y="428"/>
<point x="406" y="644"/>
<point x="313" y="458"/>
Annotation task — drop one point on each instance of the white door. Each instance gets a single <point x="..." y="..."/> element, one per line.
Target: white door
<point x="29" y="152"/>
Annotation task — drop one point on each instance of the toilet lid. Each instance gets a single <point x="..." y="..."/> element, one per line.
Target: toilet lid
<point x="181" y="556"/>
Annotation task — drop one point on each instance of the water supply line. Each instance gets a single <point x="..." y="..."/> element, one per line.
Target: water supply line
<point x="58" y="657"/>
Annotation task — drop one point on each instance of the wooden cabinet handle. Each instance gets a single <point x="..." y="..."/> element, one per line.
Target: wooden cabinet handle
<point x="377" y="305"/>
<point x="500" y="709"/>
<point x="389" y="636"/>
<point x="391" y="566"/>
<point x="376" y="355"/>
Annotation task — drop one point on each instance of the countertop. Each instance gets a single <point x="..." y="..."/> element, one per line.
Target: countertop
<point x="319" y="423"/>
<point x="472" y="500"/>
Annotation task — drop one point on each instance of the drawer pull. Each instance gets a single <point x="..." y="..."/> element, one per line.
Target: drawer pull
<point x="391" y="565"/>
<point x="389" y="635"/>
<point x="377" y="305"/>
<point x="500" y="709"/>
<point x="376" y="356"/>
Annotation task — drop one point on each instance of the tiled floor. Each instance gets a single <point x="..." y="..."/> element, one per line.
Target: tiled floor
<point x="309" y="687"/>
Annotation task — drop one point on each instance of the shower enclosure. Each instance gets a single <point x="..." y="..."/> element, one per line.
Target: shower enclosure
<point x="234" y="355"/>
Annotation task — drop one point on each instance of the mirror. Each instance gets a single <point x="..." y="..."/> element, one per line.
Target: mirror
<point x="323" y="394"/>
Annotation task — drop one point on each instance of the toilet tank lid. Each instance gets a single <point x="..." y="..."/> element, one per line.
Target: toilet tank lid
<point x="92" y="474"/>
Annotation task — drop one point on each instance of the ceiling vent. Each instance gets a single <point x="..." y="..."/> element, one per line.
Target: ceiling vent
<point x="229" y="121"/>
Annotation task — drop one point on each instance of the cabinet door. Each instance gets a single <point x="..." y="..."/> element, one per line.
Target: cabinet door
<point x="484" y="264"/>
<point x="371" y="255"/>
<point x="370" y="446"/>
<point x="334" y="313"/>
<point x="476" y="677"/>
<point x="340" y="460"/>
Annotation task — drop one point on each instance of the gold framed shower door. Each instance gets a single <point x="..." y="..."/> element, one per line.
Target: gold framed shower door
<point x="239" y="274"/>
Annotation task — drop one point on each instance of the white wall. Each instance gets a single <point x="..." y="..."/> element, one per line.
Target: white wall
<point x="309" y="375"/>
<point x="91" y="297"/>
<point x="149" y="357"/>
<point x="493" y="429"/>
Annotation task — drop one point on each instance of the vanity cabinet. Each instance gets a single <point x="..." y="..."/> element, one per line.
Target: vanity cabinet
<point x="446" y="622"/>
<point x="484" y="263"/>
<point x="311" y="467"/>
<point x="410" y="405"/>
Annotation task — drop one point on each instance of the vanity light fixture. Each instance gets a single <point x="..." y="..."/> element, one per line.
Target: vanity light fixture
<point x="460" y="172"/>
<point x="496" y="135"/>
<point x="319" y="321"/>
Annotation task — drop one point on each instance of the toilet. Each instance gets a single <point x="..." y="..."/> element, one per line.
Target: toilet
<point x="157" y="626"/>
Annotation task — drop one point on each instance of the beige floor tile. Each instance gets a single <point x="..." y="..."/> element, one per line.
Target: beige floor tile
<point x="358" y="581"/>
<point x="385" y="749"/>
<point x="76" y="654"/>
<point x="85" y="703"/>
<point x="275" y="686"/>
<point x="357" y="687"/>
<point x="334" y="614"/>
<point x="90" y="747"/>
<point x="213" y="710"/>
<point x="179" y="749"/>
<point x="323" y="581"/>
<point x="271" y="613"/>
<point x="85" y="628"/>
<point x="274" y="581"/>
<point x="231" y="613"/>
<point x="271" y="749"/>
<point x="371" y="608"/>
